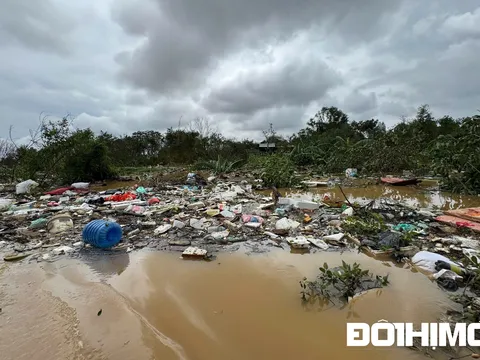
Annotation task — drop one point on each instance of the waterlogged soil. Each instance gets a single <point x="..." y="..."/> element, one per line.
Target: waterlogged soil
<point x="153" y="305"/>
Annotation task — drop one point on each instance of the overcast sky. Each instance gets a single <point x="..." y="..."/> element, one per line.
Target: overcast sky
<point x="127" y="65"/>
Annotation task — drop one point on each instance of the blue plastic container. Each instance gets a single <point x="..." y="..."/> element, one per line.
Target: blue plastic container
<point x="102" y="234"/>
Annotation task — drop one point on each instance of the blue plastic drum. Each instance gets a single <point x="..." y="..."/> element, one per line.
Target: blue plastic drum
<point x="102" y="234"/>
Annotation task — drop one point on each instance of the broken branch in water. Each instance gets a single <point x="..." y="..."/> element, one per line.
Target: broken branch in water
<point x="345" y="196"/>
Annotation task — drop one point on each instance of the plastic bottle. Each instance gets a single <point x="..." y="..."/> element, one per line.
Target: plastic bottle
<point x="38" y="224"/>
<point x="102" y="234"/>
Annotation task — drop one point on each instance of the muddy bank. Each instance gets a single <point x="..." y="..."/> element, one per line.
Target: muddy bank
<point x="155" y="305"/>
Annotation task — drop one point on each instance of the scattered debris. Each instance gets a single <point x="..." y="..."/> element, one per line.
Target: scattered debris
<point x="194" y="252"/>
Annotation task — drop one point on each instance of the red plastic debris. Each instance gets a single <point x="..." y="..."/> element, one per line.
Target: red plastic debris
<point x="153" y="200"/>
<point x="59" y="191"/>
<point x="463" y="224"/>
<point x="122" y="197"/>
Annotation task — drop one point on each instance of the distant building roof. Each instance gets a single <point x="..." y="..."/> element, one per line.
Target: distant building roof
<point x="267" y="145"/>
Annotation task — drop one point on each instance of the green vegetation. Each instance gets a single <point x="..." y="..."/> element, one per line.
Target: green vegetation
<point x="329" y="144"/>
<point x="219" y="166"/>
<point x="279" y="171"/>
<point x="369" y="224"/>
<point x="342" y="282"/>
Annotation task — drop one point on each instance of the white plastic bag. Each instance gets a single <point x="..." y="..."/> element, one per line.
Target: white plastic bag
<point x="426" y="260"/>
<point x="350" y="173"/>
<point x="286" y="224"/>
<point x="25" y="186"/>
<point x="80" y="185"/>
<point x="5" y="204"/>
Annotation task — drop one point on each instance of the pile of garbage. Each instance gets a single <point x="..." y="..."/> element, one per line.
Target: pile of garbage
<point x="203" y="217"/>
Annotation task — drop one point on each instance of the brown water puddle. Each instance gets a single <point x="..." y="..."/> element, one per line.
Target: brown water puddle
<point x="108" y="185"/>
<point x="418" y="196"/>
<point x="157" y="306"/>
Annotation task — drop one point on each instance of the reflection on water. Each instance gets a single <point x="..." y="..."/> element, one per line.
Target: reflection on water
<point x="418" y="196"/>
<point x="238" y="307"/>
<point x="107" y="263"/>
<point x="411" y="195"/>
<point x="249" y="307"/>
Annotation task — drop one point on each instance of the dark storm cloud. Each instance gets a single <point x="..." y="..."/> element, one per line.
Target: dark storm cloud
<point x="188" y="37"/>
<point x="241" y="64"/>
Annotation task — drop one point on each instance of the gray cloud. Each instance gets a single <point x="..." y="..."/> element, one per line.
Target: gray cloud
<point x="189" y="37"/>
<point x="296" y="83"/>
<point x="34" y="24"/>
<point x="144" y="64"/>
<point x="358" y="102"/>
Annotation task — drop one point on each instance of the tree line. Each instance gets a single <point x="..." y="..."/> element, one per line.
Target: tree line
<point x="330" y="142"/>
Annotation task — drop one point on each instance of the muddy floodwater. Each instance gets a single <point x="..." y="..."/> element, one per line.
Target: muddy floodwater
<point x="238" y="307"/>
<point x="418" y="196"/>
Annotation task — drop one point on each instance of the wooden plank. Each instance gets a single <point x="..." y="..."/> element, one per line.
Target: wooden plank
<point x="472" y="214"/>
<point x="458" y="222"/>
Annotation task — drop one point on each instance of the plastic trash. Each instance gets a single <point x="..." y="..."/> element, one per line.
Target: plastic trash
<point x="197" y="224"/>
<point x="25" y="186"/>
<point x="447" y="279"/>
<point x="58" y="191"/>
<point x="191" y="178"/>
<point x="80" y="185"/>
<point x="135" y="209"/>
<point x="212" y="212"/>
<point x="141" y="190"/>
<point x="231" y="225"/>
<point x="153" y="201"/>
<point x="38" y="224"/>
<point x="196" y="205"/>
<point x="390" y="239"/>
<point x="162" y="229"/>
<point x="299" y="242"/>
<point x="219" y="235"/>
<point x="405" y="227"/>
<point x="5" y="204"/>
<point x="122" y="197"/>
<point x="307" y="205"/>
<point x="319" y="243"/>
<point x="254" y="225"/>
<point x="194" y="252"/>
<point x="59" y="224"/>
<point x="280" y="211"/>
<point x="351" y="173"/>
<point x="237" y="209"/>
<point x="426" y="261"/>
<point x="227" y="214"/>
<point x="102" y="234"/>
<point x="286" y="224"/>
<point x="252" y="219"/>
<point x="348" y="211"/>
<point x="178" y="224"/>
<point x="334" y="237"/>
